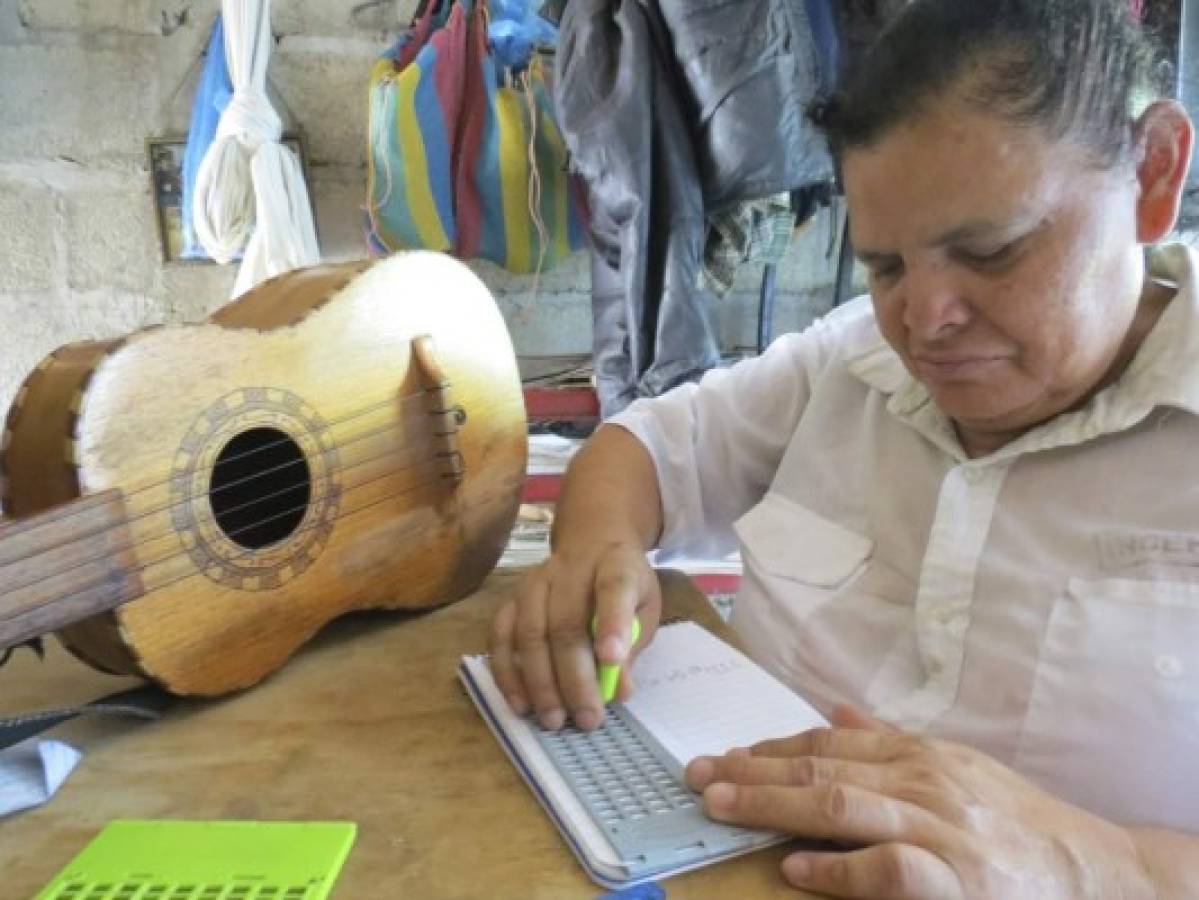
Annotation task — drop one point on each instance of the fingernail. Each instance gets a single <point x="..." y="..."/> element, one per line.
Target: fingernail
<point x="611" y="649"/>
<point x="700" y="771"/>
<point x="517" y="704"/>
<point x="588" y="718"/>
<point x="797" y="867"/>
<point x="719" y="798"/>
<point x="553" y="719"/>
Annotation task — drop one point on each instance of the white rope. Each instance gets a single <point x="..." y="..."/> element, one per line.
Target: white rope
<point x="250" y="188"/>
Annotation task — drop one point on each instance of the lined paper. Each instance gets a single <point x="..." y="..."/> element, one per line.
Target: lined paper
<point x="698" y="696"/>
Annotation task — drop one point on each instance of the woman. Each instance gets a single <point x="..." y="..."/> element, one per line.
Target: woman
<point x="967" y="503"/>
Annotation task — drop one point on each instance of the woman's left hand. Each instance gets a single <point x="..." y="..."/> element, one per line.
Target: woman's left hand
<point x="920" y="818"/>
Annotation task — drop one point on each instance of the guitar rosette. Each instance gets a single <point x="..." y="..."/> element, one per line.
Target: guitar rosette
<point x="254" y="488"/>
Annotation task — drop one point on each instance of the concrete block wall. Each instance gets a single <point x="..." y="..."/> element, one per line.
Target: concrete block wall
<point x="84" y="84"/>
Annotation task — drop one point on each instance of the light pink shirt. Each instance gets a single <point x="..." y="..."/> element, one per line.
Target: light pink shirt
<point x="1040" y="603"/>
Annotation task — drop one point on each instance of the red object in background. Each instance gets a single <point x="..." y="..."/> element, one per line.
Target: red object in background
<point x="1138" y="8"/>
<point x="541" y="488"/>
<point x="550" y="404"/>
<point x="717" y="582"/>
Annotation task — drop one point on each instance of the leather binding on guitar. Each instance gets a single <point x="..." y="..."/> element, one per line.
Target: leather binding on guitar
<point x="193" y="503"/>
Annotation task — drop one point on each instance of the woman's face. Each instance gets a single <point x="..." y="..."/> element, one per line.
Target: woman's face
<point x="1004" y="268"/>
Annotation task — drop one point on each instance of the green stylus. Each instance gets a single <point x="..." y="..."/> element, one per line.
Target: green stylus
<point x="609" y="673"/>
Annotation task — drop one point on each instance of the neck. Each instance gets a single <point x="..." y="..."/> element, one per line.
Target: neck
<point x="64" y="565"/>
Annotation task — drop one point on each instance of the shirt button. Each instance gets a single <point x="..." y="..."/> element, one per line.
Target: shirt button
<point x="1168" y="666"/>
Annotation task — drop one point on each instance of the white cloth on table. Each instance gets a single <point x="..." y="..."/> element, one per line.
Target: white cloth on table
<point x="32" y="771"/>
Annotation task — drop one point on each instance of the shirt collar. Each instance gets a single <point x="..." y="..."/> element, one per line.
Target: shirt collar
<point x="1164" y="372"/>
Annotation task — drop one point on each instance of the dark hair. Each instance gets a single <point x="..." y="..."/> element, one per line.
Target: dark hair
<point x="1080" y="69"/>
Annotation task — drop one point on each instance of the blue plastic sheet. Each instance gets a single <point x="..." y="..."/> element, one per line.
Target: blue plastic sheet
<point x="212" y="96"/>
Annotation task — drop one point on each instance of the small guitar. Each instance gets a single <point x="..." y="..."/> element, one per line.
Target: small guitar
<point x="193" y="503"/>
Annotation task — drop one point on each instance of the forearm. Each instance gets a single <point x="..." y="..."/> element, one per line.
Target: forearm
<point x="610" y="494"/>
<point x="1170" y="860"/>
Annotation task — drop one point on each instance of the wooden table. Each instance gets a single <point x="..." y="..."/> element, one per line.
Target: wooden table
<point x="368" y="724"/>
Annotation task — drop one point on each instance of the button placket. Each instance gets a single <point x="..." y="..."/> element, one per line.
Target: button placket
<point x="964" y="511"/>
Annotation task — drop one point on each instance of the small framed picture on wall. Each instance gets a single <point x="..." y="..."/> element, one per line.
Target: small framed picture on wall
<point x="165" y="159"/>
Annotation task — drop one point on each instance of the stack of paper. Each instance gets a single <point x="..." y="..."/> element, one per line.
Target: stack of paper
<point x="529" y="543"/>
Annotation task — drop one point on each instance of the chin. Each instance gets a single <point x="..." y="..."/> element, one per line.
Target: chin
<point x="981" y="410"/>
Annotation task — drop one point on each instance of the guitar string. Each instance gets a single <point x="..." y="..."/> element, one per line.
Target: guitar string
<point x="482" y="499"/>
<point x="402" y="399"/>
<point x="337" y="448"/>
<point x="174" y="553"/>
<point x="193" y="571"/>
<point x="191" y="497"/>
<point x="160" y="536"/>
<point x="168" y="508"/>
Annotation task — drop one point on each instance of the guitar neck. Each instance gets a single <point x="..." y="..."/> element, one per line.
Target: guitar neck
<point x="64" y="565"/>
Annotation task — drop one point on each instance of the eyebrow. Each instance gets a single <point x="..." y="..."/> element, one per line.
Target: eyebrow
<point x="1019" y="227"/>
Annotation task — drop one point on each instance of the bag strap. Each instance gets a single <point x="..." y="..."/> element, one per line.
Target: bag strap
<point x="146" y="702"/>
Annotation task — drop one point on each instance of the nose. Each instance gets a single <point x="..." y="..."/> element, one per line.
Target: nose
<point x="934" y="305"/>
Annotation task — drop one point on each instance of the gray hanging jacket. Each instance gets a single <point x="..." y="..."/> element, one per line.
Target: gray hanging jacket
<point x="674" y="109"/>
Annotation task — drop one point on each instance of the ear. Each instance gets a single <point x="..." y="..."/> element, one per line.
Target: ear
<point x="1164" y="135"/>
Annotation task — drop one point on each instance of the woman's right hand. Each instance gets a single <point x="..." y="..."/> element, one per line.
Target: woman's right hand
<point x="543" y="655"/>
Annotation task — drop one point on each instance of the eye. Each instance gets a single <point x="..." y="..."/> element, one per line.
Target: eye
<point x="990" y="258"/>
<point x="885" y="270"/>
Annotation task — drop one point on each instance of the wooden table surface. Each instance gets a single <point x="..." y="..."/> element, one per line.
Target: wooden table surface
<point x="367" y="723"/>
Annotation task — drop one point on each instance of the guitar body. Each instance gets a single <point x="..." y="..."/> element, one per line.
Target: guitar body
<point x="340" y="438"/>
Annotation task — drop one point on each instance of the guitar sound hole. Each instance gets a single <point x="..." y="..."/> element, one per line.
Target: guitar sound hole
<point x="260" y="488"/>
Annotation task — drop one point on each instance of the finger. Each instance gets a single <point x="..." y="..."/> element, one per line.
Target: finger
<point x="571" y="653"/>
<point x="503" y="659"/>
<point x="836" y="812"/>
<point x="796" y="771"/>
<point x="892" y="871"/>
<point x="846" y="716"/>
<point x="627" y="685"/>
<point x="617" y="590"/>
<point x="532" y="647"/>
<point x="841" y="743"/>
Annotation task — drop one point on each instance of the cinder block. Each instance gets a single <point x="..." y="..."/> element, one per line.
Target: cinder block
<point x="33" y="325"/>
<point x="338" y="196"/>
<point x="571" y="275"/>
<point x="80" y="104"/>
<point x="190" y="292"/>
<point x="27" y="254"/>
<point x="112" y="239"/>
<point x="142" y="17"/>
<point x="340" y="20"/>
<point x="323" y="84"/>
<point x="25" y="340"/>
<point x="548" y="324"/>
<point x="99" y="315"/>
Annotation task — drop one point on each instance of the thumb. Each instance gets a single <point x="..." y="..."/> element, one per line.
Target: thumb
<point x="845" y="716"/>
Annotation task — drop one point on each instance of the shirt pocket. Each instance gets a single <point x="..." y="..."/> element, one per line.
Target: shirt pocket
<point x="789" y="541"/>
<point x="1113" y="718"/>
<point x="815" y="607"/>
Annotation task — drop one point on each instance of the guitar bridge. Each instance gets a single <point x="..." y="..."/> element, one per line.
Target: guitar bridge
<point x="447" y="416"/>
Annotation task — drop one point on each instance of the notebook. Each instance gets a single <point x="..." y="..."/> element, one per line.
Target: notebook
<point x="617" y="793"/>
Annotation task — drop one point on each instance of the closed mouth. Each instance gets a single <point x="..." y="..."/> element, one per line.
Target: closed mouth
<point x="953" y="366"/>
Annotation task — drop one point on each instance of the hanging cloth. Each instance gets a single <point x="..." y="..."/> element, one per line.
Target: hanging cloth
<point x="250" y="188"/>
